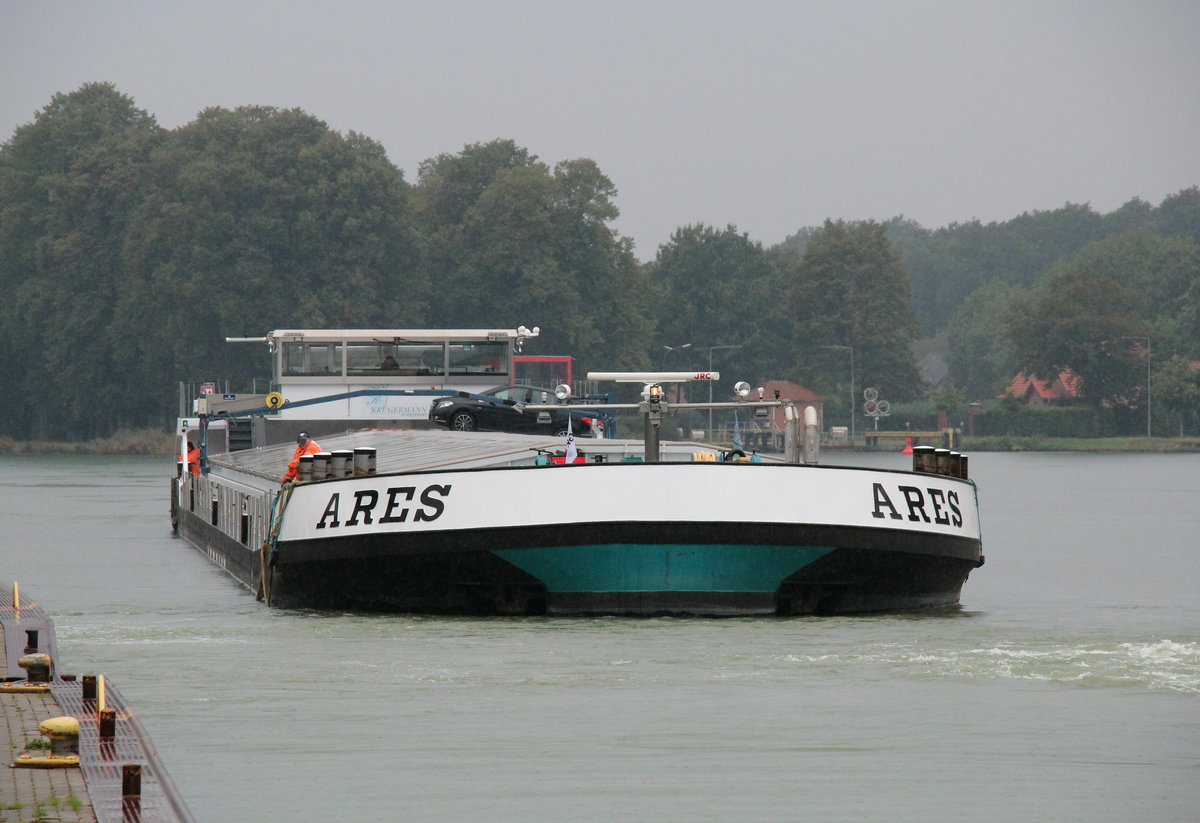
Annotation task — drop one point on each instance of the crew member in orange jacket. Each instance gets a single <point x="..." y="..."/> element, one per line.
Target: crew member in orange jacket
<point x="304" y="445"/>
<point x="193" y="460"/>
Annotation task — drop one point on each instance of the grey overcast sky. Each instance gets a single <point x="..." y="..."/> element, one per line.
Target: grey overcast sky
<point x="766" y="115"/>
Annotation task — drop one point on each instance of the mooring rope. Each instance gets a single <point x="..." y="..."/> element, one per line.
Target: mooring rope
<point x="271" y="544"/>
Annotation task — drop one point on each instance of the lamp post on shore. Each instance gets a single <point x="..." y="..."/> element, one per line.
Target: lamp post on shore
<point x="667" y="354"/>
<point x="851" y="350"/>
<point x="712" y="349"/>
<point x="1147" y="339"/>
<point x="670" y="349"/>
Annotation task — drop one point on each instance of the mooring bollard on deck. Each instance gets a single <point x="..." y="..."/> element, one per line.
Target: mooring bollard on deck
<point x="320" y="467"/>
<point x="924" y="459"/>
<point x="131" y="780"/>
<point x="36" y="666"/>
<point x="364" y="460"/>
<point x="108" y="724"/>
<point x="63" y="734"/>
<point x="341" y="463"/>
<point x="960" y="468"/>
<point x="131" y="791"/>
<point x="942" y="460"/>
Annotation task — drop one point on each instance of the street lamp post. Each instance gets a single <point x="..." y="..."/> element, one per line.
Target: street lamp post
<point x="851" y="350"/>
<point x="712" y="349"/>
<point x="1147" y="339"/>
<point x="667" y="353"/>
<point x="670" y="349"/>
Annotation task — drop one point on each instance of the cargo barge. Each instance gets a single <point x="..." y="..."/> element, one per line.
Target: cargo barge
<point x="402" y="518"/>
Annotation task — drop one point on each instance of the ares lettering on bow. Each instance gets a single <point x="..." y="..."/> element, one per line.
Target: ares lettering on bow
<point x="920" y="504"/>
<point x="391" y="506"/>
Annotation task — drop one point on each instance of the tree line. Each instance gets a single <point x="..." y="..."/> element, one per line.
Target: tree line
<point x="128" y="252"/>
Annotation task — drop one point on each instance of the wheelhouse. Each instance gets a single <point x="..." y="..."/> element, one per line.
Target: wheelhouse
<point x="313" y="363"/>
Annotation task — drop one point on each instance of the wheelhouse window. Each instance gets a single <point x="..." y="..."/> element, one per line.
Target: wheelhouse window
<point x="312" y="359"/>
<point x="390" y="359"/>
<point x="479" y="359"/>
<point x="378" y="358"/>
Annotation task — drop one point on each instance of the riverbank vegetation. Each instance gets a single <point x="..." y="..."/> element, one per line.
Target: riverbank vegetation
<point x="121" y="442"/>
<point x="1153" y="445"/>
<point x="129" y="252"/>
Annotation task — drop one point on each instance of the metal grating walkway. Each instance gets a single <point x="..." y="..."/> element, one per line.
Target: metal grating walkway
<point x="101" y="761"/>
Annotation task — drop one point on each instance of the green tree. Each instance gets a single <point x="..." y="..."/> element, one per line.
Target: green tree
<point x="69" y="185"/>
<point x="948" y="264"/>
<point x="508" y="240"/>
<point x="712" y="285"/>
<point x="128" y="253"/>
<point x="980" y="357"/>
<point x="950" y="399"/>
<point x="260" y="218"/>
<point x="1175" y="394"/>
<point x="450" y="184"/>
<point x="850" y="290"/>
<point x="1179" y="215"/>
<point x="1082" y="322"/>
<point x="1131" y="216"/>
<point x="1164" y="271"/>
<point x="611" y="283"/>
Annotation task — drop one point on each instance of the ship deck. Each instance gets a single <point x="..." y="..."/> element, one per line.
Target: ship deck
<point x="414" y="450"/>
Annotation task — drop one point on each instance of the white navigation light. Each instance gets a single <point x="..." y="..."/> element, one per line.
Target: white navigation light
<point x="562" y="392"/>
<point x="742" y="388"/>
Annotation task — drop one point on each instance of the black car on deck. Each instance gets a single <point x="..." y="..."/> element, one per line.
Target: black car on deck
<point x="502" y="409"/>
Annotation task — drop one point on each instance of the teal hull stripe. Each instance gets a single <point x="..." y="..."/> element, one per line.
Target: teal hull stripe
<point x="643" y="567"/>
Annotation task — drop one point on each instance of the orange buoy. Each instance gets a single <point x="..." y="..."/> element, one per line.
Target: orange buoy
<point x="907" y="446"/>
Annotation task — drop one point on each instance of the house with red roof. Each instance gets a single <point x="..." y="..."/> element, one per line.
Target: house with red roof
<point x="1061" y="389"/>
<point x="798" y="394"/>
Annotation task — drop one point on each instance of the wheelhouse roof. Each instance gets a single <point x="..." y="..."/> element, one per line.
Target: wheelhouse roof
<point x="396" y="334"/>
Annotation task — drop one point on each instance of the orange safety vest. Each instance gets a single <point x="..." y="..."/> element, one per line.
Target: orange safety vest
<point x="311" y="447"/>
<point x="194" y="459"/>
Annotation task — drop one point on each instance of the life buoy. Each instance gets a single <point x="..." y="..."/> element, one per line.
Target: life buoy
<point x="730" y="455"/>
<point x="274" y="400"/>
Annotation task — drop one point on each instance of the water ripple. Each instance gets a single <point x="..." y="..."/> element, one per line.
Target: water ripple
<point x="1157" y="665"/>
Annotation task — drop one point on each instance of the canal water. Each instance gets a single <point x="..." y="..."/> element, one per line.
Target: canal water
<point x="1066" y="688"/>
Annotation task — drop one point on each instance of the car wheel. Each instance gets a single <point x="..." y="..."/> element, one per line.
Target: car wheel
<point x="560" y="433"/>
<point x="463" y="422"/>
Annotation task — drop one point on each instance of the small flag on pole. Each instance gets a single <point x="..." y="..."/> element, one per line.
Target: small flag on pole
<point x="571" y="453"/>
